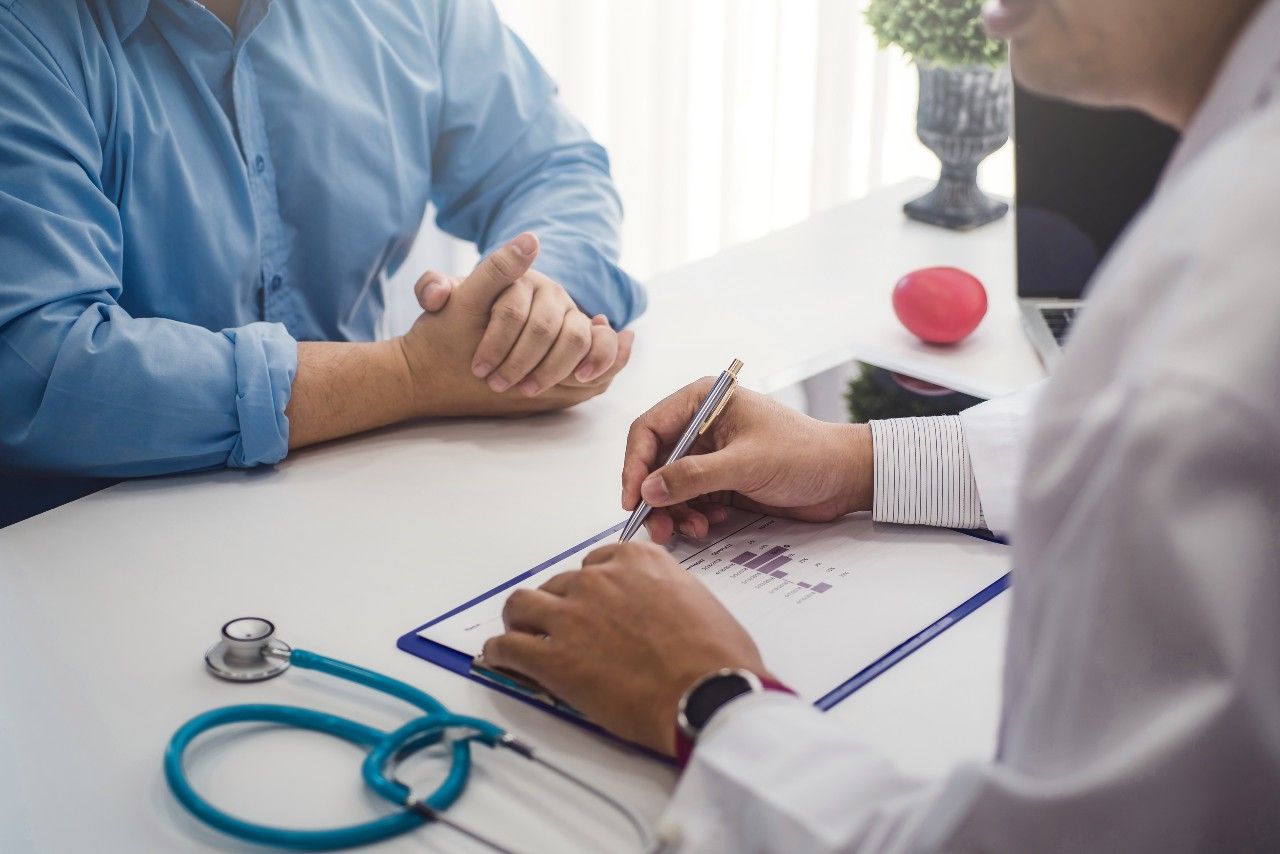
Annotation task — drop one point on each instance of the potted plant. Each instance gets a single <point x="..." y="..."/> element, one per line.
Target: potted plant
<point x="965" y="100"/>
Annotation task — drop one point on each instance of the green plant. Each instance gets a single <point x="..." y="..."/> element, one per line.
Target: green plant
<point x="874" y="395"/>
<point x="941" y="32"/>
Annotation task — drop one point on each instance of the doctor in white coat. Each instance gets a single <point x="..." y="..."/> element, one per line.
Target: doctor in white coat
<point x="1142" y="686"/>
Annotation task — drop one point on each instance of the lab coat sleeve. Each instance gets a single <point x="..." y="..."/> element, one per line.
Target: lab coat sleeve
<point x="995" y="433"/>
<point x="772" y="774"/>
<point x="86" y="388"/>
<point x="508" y="157"/>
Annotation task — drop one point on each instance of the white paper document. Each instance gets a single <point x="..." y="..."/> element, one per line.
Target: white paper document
<point x="823" y="601"/>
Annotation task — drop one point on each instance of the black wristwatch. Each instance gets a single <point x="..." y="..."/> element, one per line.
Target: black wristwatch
<point x="710" y="694"/>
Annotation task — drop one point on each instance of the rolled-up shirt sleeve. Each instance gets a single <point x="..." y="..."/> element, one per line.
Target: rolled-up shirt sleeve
<point x="508" y="157"/>
<point x="87" y="388"/>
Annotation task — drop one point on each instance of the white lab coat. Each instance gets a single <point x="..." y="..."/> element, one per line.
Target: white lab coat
<point x="1142" y="684"/>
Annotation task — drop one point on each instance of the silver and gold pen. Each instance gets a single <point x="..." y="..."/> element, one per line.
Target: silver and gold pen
<point x="707" y="413"/>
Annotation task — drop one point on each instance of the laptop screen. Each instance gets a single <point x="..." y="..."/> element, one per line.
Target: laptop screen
<point x="1082" y="174"/>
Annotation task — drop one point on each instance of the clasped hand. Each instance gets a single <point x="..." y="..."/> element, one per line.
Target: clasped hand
<point x="507" y="340"/>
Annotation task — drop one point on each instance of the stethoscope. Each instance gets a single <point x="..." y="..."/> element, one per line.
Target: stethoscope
<point x="249" y="652"/>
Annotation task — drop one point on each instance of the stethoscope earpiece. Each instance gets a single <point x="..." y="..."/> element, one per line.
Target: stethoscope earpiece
<point x="248" y="651"/>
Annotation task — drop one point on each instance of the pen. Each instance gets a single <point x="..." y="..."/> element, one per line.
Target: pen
<point x="719" y="395"/>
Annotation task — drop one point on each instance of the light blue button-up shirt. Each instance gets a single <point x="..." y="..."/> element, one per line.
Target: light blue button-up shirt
<point x="180" y="204"/>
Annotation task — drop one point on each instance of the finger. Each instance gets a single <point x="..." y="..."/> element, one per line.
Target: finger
<point x="696" y="475"/>
<point x="713" y="510"/>
<point x="571" y="346"/>
<point x="532" y="611"/>
<point x="626" y="339"/>
<point x="520" y="652"/>
<point x="560" y="584"/>
<point x="506" y="321"/>
<point x="690" y="522"/>
<point x="433" y="290"/>
<point x="546" y="316"/>
<point x="601" y="555"/>
<point x="480" y="290"/>
<point x="660" y="426"/>
<point x="641" y="457"/>
<point x="660" y="525"/>
<point x="601" y="355"/>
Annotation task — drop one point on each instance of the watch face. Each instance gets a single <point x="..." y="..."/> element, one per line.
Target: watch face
<point x="711" y="695"/>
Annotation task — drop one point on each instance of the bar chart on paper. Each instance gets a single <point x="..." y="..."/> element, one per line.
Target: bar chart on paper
<point x="771" y="562"/>
<point x="822" y="601"/>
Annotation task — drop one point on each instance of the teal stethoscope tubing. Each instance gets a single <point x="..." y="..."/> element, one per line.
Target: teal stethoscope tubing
<point x="385" y="746"/>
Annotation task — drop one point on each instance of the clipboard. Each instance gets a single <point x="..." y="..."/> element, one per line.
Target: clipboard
<point x="461" y="663"/>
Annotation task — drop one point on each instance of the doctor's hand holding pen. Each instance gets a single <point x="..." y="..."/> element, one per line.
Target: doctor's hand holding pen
<point x="757" y="455"/>
<point x="628" y="637"/>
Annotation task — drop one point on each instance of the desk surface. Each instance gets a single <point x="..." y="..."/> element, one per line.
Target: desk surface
<point x="107" y="604"/>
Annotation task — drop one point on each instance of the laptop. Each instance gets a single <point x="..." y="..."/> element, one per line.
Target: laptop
<point x="1082" y="175"/>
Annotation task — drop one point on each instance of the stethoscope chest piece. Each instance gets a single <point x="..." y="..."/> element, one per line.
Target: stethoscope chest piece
<point x="248" y="651"/>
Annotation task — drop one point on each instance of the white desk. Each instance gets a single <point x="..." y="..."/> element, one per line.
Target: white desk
<point x="107" y="604"/>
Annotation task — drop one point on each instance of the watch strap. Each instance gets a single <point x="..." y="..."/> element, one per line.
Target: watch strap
<point x="685" y="744"/>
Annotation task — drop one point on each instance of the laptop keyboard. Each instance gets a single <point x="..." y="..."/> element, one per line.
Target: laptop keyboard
<point x="1059" y="321"/>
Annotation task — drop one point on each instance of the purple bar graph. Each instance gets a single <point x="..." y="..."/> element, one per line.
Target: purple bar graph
<point x="744" y="558"/>
<point x="779" y="574"/>
<point x="803" y="583"/>
<point x="775" y="563"/>
<point x="821" y="587"/>
<point x="766" y="557"/>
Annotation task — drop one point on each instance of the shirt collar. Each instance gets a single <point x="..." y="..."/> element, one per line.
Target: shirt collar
<point x="1247" y="81"/>
<point x="128" y="15"/>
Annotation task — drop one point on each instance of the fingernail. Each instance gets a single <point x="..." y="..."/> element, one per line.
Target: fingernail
<point x="687" y="529"/>
<point x="525" y="243"/>
<point x="529" y="387"/>
<point x="481" y="370"/>
<point x="717" y="514"/>
<point x="584" y="374"/>
<point x="498" y="384"/>
<point x="655" y="489"/>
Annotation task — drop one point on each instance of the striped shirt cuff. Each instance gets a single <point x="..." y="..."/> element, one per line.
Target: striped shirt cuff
<point x="923" y="475"/>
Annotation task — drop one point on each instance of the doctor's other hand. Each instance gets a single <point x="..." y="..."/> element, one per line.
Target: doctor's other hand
<point x="622" y="639"/>
<point x="535" y="338"/>
<point x="440" y="348"/>
<point x="758" y="455"/>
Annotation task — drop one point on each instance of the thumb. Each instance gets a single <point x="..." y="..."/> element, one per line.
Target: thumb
<point x="692" y="476"/>
<point x="496" y="273"/>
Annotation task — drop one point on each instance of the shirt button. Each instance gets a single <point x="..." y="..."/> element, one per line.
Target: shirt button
<point x="259" y="164"/>
<point x="276" y="282"/>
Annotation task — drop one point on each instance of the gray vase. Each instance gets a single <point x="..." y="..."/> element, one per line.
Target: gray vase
<point x="963" y="117"/>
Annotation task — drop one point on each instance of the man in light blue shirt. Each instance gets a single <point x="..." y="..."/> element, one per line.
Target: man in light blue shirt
<point x="189" y="191"/>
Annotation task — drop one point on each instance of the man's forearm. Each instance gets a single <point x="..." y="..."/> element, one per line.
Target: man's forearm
<point x="343" y="388"/>
<point x="858" y="460"/>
